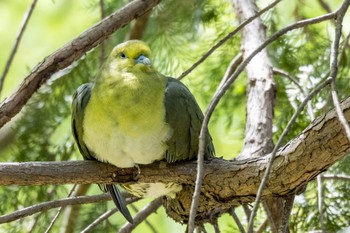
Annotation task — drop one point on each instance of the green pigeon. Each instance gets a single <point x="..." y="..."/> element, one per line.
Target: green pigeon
<point x="131" y="115"/>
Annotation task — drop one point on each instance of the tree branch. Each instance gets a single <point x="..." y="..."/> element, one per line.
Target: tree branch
<point x="70" y="52"/>
<point x="52" y="204"/>
<point x="225" y="183"/>
<point x="25" y="21"/>
<point x="142" y="215"/>
<point x="60" y="203"/>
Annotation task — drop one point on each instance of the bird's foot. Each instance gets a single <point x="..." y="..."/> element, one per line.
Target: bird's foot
<point x="138" y="169"/>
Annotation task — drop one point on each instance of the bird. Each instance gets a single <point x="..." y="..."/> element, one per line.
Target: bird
<point x="131" y="115"/>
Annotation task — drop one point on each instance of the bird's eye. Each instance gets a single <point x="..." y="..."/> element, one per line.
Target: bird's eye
<point x="122" y="55"/>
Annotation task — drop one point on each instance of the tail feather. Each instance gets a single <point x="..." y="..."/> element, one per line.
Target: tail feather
<point x="119" y="201"/>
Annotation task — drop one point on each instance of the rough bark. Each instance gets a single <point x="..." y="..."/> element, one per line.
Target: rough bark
<point x="260" y="87"/>
<point x="72" y="51"/>
<point x="225" y="184"/>
<point x="260" y="99"/>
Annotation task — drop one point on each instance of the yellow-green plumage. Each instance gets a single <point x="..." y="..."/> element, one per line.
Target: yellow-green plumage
<point x="135" y="115"/>
<point x="128" y="98"/>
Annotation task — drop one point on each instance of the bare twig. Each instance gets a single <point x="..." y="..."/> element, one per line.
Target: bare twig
<point x="142" y="215"/>
<point x="293" y="80"/>
<point x="269" y="217"/>
<point x="320" y="202"/>
<point x="59" y="211"/>
<point x="247" y="210"/>
<point x="204" y="129"/>
<point x="151" y="227"/>
<point x="52" y="204"/>
<point x="98" y="220"/>
<point x="237" y="221"/>
<point x="325" y="6"/>
<point x="103" y="43"/>
<point x="226" y="38"/>
<point x="201" y="229"/>
<point x="70" y="52"/>
<point x="231" y="68"/>
<point x="262" y="226"/>
<point x="56" y="203"/>
<point x="342" y="54"/>
<point x="70" y="220"/>
<point x="287" y="209"/>
<point x="216" y="226"/>
<point x="334" y="65"/>
<point x="25" y="21"/>
<point x="336" y="177"/>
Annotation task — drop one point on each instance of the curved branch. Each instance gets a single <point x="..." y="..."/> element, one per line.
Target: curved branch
<point x="70" y="52"/>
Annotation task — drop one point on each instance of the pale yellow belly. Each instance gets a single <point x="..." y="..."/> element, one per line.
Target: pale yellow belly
<point x="125" y="149"/>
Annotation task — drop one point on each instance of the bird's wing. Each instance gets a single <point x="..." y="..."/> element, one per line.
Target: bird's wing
<point x="80" y="99"/>
<point x="185" y="119"/>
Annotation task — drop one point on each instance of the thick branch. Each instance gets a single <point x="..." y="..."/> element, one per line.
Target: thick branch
<point x="72" y="51"/>
<point x="225" y="183"/>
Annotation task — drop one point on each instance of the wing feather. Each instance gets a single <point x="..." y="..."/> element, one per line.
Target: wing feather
<point x="185" y="118"/>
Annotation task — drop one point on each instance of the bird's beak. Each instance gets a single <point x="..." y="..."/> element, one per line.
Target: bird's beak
<point x="142" y="59"/>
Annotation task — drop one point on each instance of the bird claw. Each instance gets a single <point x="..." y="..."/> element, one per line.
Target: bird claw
<point x="138" y="169"/>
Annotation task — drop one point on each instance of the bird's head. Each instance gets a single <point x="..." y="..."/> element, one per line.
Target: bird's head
<point x="133" y="54"/>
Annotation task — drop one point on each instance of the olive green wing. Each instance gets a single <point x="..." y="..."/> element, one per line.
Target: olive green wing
<point x="80" y="100"/>
<point x="185" y="119"/>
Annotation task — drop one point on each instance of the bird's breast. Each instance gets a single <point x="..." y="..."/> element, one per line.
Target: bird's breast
<point x="128" y="129"/>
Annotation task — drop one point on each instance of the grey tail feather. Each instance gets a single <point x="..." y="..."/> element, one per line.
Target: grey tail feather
<point x="119" y="201"/>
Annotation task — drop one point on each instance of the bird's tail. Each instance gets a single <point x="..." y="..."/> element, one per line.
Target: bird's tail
<point x="119" y="201"/>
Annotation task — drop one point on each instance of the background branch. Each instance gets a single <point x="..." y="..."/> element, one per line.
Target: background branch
<point x="25" y="21"/>
<point x="60" y="203"/>
<point x="70" y="52"/>
<point x="142" y="215"/>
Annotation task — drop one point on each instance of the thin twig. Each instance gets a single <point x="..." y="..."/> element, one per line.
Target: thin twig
<point x="226" y="38"/>
<point x="287" y="209"/>
<point x="103" y="43"/>
<point x="142" y="215"/>
<point x="231" y="68"/>
<point x="325" y="6"/>
<point x="271" y="220"/>
<point x="204" y="129"/>
<point x="218" y="95"/>
<point x="238" y="222"/>
<point x="201" y="229"/>
<point x="98" y="220"/>
<point x="25" y="21"/>
<point x="57" y="203"/>
<point x="336" y="177"/>
<point x="247" y="210"/>
<point x="262" y="226"/>
<point x="273" y="153"/>
<point x="345" y="47"/>
<point x="152" y="228"/>
<point x="320" y="202"/>
<point x="216" y="226"/>
<point x="334" y="66"/>
<point x="293" y="80"/>
<point x="59" y="211"/>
